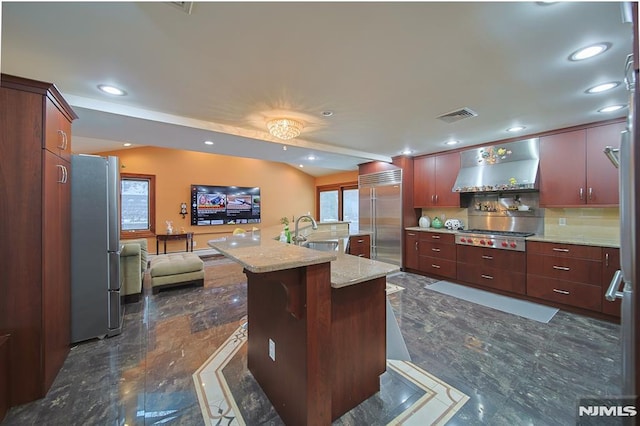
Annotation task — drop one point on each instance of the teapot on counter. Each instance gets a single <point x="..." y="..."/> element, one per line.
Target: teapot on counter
<point x="436" y="222"/>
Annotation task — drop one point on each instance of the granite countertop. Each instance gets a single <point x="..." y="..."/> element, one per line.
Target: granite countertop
<point x="579" y="240"/>
<point x="417" y="228"/>
<point x="266" y="255"/>
<point x="584" y="240"/>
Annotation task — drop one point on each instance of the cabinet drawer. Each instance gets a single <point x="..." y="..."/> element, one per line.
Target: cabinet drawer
<point x="567" y="269"/>
<point x="57" y="131"/>
<point x="438" y="250"/>
<point x="565" y="250"/>
<point x="566" y="292"/>
<point x="501" y="279"/>
<point x="440" y="237"/>
<point x="494" y="258"/>
<point x="439" y="267"/>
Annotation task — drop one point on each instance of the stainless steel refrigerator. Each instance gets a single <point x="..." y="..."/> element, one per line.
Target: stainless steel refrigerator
<point x="96" y="307"/>
<point x="622" y="285"/>
<point x="380" y="213"/>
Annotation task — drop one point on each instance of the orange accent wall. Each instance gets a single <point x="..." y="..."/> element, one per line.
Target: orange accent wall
<point x="284" y="190"/>
<point x="336" y="178"/>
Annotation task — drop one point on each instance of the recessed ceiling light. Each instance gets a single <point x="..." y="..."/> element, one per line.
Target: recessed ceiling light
<point x="327" y="113"/>
<point x="208" y="142"/>
<point x="603" y="87"/>
<point x="284" y="147"/>
<point x="452" y="142"/>
<point x="611" y="108"/>
<point x="407" y="151"/>
<point x="112" y="90"/>
<point x="311" y="157"/>
<point x="516" y="129"/>
<point x="589" y="51"/>
<point x="301" y="166"/>
<point x="127" y="144"/>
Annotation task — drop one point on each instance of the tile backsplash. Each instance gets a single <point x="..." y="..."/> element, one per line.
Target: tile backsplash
<point x="589" y="222"/>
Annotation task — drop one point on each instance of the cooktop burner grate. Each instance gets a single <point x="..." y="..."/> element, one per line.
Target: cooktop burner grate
<point x="512" y="234"/>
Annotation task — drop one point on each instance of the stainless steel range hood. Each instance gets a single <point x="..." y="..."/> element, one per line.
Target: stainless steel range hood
<point x="510" y="166"/>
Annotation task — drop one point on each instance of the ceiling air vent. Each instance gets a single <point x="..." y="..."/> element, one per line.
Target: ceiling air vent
<point x="185" y="6"/>
<point x="457" y="115"/>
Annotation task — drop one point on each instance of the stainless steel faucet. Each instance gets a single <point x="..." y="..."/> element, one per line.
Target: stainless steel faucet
<point x="298" y="239"/>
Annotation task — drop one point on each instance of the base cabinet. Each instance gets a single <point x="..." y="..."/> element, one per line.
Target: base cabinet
<point x="360" y="245"/>
<point x="494" y="268"/>
<point x="437" y="254"/>
<point x="35" y="142"/>
<point x="565" y="273"/>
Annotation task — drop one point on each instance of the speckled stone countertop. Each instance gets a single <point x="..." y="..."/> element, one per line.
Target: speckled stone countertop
<point x="267" y="255"/>
<point x="417" y="228"/>
<point x="584" y="240"/>
<point x="580" y="240"/>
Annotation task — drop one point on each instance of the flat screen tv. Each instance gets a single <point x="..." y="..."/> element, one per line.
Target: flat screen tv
<point x="224" y="205"/>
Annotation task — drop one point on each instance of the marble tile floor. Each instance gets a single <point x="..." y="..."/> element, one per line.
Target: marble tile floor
<point x="515" y="371"/>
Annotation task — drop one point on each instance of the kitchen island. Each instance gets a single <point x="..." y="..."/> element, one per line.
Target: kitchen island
<point x="317" y="325"/>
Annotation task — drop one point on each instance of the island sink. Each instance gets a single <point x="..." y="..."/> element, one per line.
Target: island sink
<point x="321" y="245"/>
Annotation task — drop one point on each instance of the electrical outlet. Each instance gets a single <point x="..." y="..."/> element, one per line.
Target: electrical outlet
<point x="562" y="221"/>
<point x="272" y="350"/>
<point x="195" y="243"/>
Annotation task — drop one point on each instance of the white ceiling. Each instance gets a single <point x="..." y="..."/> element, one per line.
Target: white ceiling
<point x="386" y="70"/>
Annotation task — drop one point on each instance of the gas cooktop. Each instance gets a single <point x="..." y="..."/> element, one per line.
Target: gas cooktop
<point x="512" y="234"/>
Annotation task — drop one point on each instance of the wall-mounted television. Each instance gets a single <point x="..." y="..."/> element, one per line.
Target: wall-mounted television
<point x="224" y="205"/>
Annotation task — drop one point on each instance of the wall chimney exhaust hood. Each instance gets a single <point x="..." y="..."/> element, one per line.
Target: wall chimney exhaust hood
<point x="510" y="166"/>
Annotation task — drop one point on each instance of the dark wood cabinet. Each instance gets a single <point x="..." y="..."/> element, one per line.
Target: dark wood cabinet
<point x="35" y="141"/>
<point x="499" y="269"/>
<point x="610" y="264"/>
<point x="565" y="273"/>
<point x="360" y="245"/>
<point x="437" y="254"/>
<point x="433" y="179"/>
<point x="574" y="170"/>
<point x="411" y="250"/>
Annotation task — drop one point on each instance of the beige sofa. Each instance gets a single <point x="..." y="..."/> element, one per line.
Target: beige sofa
<point x="133" y="264"/>
<point x="176" y="269"/>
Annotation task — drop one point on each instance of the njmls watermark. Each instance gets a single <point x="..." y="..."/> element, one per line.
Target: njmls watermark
<point x="606" y="411"/>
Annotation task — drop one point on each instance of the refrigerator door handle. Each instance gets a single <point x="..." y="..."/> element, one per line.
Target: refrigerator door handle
<point x="613" y="293"/>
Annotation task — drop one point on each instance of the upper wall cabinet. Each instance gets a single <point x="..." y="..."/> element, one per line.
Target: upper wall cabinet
<point x="574" y="170"/>
<point x="433" y="179"/>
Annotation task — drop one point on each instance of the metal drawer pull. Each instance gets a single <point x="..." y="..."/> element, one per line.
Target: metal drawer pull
<point x="411" y="235"/>
<point x="435" y="266"/>
<point x="606" y="259"/>
<point x="437" y="237"/>
<point x="360" y="241"/>
<point x="561" y="249"/>
<point x="555" y="290"/>
<point x="64" y="176"/>
<point x="435" y="249"/>
<point x="561" y="268"/>
<point x="582" y="193"/>
<point x="486" y="277"/>
<point x="590" y="193"/>
<point x="361" y="255"/>
<point x="487" y="257"/>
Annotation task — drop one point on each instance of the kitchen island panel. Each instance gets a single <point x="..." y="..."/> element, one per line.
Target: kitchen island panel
<point x="295" y="379"/>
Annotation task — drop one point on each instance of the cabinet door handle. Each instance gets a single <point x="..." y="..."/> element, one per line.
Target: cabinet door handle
<point x="435" y="237"/>
<point x="556" y="290"/>
<point x="436" y="198"/>
<point x="64" y="175"/>
<point x="561" y="249"/>
<point x="61" y="139"/>
<point x="416" y="245"/>
<point x="486" y="277"/>
<point x="435" y="266"/>
<point x="487" y="257"/>
<point x="433" y="198"/>
<point x="590" y="193"/>
<point x="437" y="250"/>
<point x="561" y="268"/>
<point x="581" y="192"/>
<point x="606" y="259"/>
<point x="360" y="241"/>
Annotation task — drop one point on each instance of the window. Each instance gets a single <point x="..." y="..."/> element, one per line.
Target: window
<point x="338" y="203"/>
<point x="137" y="205"/>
